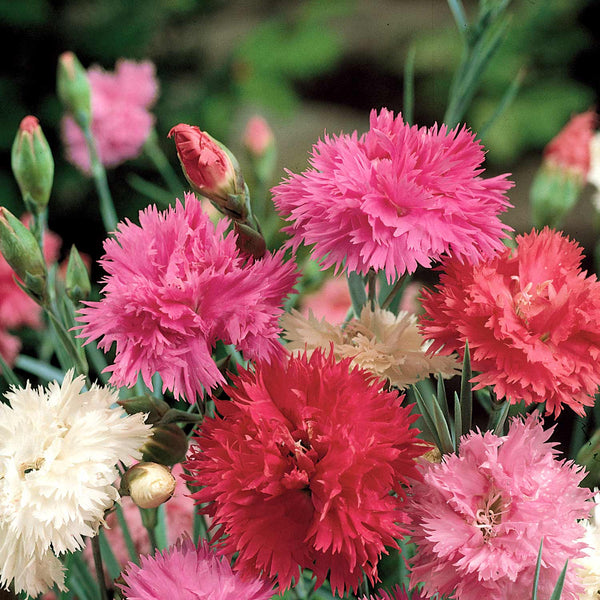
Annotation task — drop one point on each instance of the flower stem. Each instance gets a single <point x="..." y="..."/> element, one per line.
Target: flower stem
<point x="107" y="207"/>
<point x="372" y="287"/>
<point x="398" y="286"/>
<point x="99" y="570"/>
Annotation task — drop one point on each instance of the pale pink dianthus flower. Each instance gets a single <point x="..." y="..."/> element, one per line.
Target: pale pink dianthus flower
<point x="176" y="284"/>
<point x="395" y="198"/>
<point x="121" y="117"/>
<point x="479" y="517"/>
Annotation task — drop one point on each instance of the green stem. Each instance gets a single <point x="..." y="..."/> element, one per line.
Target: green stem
<point x="372" y="288"/>
<point x="150" y="520"/>
<point x="107" y="207"/>
<point x="162" y="164"/>
<point x="127" y="535"/>
<point x="99" y="570"/>
<point x="397" y="287"/>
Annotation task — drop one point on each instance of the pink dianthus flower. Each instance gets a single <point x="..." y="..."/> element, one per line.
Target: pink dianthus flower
<point x="121" y="120"/>
<point x="479" y="517"/>
<point x="531" y="317"/>
<point x="176" y="284"/>
<point x="396" y="197"/>
<point x="330" y="302"/>
<point x="299" y="467"/>
<point x="570" y="149"/>
<point x="187" y="572"/>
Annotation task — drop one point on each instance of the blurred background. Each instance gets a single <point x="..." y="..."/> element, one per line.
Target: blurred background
<point x="306" y="66"/>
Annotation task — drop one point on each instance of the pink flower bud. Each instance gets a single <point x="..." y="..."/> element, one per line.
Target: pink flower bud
<point x="570" y="149"/>
<point x="258" y="136"/>
<point x="208" y="166"/>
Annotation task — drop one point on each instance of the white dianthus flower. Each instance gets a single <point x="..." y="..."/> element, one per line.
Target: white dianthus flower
<point x="58" y="453"/>
<point x="588" y="567"/>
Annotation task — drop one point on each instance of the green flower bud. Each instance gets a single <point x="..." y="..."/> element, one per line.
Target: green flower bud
<point x="589" y="457"/>
<point x="73" y="88"/>
<point x="22" y="252"/>
<point x="167" y="446"/>
<point x="32" y="164"/>
<point x="155" y="408"/>
<point x="77" y="281"/>
<point x="148" y="484"/>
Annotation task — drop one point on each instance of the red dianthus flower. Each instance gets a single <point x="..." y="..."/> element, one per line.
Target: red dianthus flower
<point x="299" y="467"/>
<point x="531" y="317"/>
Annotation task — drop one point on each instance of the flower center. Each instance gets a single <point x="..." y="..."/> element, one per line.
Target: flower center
<point x="529" y="302"/>
<point x="29" y="466"/>
<point x="489" y="516"/>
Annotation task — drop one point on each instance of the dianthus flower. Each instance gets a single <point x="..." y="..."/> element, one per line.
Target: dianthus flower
<point x="588" y="566"/>
<point x="570" y="149"/>
<point x="58" y="453"/>
<point x="187" y="572"/>
<point x="330" y="302"/>
<point x="387" y="345"/>
<point x="531" y="317"/>
<point x="394" y="198"/>
<point x="176" y="284"/>
<point x="479" y="517"/>
<point x="298" y="470"/>
<point x="121" y="120"/>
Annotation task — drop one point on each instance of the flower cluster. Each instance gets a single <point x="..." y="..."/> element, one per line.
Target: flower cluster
<point x="176" y="284"/>
<point x="387" y="345"/>
<point x="479" y="517"/>
<point x="299" y="467"/>
<point x="121" y="120"/>
<point x="531" y="317"/>
<point x="58" y="453"/>
<point x="394" y="198"/>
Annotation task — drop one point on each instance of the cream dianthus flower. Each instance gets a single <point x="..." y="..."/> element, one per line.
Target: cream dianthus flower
<point x="589" y="565"/>
<point x="58" y="451"/>
<point x="388" y="345"/>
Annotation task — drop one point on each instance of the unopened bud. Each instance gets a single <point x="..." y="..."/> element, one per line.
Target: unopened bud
<point x="148" y="484"/>
<point x="249" y="241"/>
<point x="167" y="446"/>
<point x="155" y="408"/>
<point x="258" y="136"/>
<point x="22" y="252"/>
<point x="211" y="169"/>
<point x="77" y="281"/>
<point x="32" y="164"/>
<point x="73" y="88"/>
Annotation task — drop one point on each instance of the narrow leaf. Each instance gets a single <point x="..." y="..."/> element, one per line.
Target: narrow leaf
<point x="40" y="369"/>
<point x="559" y="584"/>
<point x="536" y="576"/>
<point x="357" y="292"/>
<point x="110" y="562"/>
<point x="466" y="396"/>
<point x="8" y="373"/>
<point x="457" y="422"/>
<point x="458" y="12"/>
<point x="499" y="418"/>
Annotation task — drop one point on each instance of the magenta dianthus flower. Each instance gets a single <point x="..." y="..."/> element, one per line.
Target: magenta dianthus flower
<point x="394" y="198"/>
<point x="184" y="572"/>
<point x="121" y="117"/>
<point x="176" y="284"/>
<point x="479" y="517"/>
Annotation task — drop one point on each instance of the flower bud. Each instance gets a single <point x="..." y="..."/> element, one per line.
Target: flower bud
<point x="22" y="252"/>
<point x="167" y="446"/>
<point x="148" y="484"/>
<point x="73" y="88"/>
<point x="258" y="136"/>
<point x="211" y="169"/>
<point x="32" y="164"/>
<point x="249" y="241"/>
<point x="77" y="281"/>
<point x="155" y="408"/>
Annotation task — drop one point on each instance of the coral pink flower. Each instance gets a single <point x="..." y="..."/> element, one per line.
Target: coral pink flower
<point x="532" y="320"/>
<point x="479" y="517"/>
<point x="570" y="149"/>
<point x="258" y="136"/>
<point x="331" y="302"/>
<point x="176" y="284"/>
<point x="299" y="468"/>
<point x="121" y="120"/>
<point x="394" y="198"/>
<point x="187" y="572"/>
<point x="9" y="347"/>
